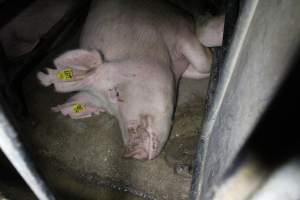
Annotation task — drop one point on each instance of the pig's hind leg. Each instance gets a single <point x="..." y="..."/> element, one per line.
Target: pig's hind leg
<point x="81" y="105"/>
<point x="195" y="49"/>
<point x="210" y="33"/>
<point x="199" y="58"/>
<point x="191" y="73"/>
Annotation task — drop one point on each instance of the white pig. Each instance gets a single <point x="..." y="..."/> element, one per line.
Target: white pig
<point x="132" y="55"/>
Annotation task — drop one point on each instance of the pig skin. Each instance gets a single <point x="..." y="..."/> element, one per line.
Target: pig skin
<point x="131" y="58"/>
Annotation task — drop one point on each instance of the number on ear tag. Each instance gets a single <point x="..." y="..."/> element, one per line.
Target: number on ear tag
<point x="66" y="74"/>
<point x="78" y="108"/>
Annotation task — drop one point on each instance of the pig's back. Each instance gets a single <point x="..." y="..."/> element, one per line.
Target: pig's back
<point x="123" y="29"/>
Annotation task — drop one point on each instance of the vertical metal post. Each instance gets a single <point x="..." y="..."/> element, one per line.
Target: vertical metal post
<point x="15" y="152"/>
<point x="260" y="56"/>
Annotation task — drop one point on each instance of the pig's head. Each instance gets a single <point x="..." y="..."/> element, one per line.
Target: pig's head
<point x="145" y="113"/>
<point x="139" y="93"/>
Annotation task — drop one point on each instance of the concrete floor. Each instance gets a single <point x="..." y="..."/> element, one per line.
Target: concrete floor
<point x="82" y="158"/>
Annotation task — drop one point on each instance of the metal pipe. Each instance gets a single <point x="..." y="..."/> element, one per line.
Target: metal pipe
<point x="211" y="114"/>
<point x="258" y="60"/>
<point x="15" y="152"/>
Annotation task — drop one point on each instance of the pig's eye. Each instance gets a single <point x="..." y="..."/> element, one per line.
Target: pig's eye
<point x="114" y="94"/>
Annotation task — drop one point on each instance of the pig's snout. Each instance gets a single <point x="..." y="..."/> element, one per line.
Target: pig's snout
<point x="143" y="142"/>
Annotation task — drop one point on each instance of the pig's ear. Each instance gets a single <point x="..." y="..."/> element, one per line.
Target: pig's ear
<point x="79" y="58"/>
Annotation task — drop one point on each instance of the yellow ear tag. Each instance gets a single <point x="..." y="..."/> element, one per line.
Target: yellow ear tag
<point x="77" y="108"/>
<point x="65" y="75"/>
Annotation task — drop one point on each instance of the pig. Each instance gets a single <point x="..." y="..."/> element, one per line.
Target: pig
<point x="131" y="58"/>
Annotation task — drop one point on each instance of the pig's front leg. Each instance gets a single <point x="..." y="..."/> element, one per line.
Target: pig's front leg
<point x="81" y="105"/>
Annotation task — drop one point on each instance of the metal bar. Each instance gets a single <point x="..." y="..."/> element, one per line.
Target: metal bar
<point x="264" y="43"/>
<point x="15" y="152"/>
